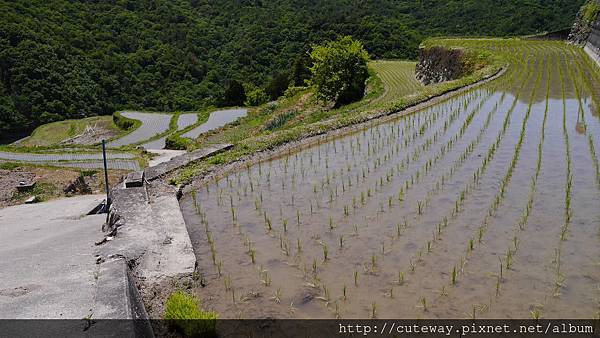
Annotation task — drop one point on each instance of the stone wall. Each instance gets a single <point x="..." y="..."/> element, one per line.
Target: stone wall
<point x="593" y="42"/>
<point x="586" y="28"/>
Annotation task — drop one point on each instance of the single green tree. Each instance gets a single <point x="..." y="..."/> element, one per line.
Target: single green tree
<point x="339" y="70"/>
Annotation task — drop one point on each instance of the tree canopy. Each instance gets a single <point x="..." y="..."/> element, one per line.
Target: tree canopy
<point x="68" y="59"/>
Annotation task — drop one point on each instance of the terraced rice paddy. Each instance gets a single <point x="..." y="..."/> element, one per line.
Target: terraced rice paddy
<point x="216" y="120"/>
<point x="152" y="125"/>
<point x="120" y="161"/>
<point x="398" y="78"/>
<point x="184" y="121"/>
<point x="484" y="205"/>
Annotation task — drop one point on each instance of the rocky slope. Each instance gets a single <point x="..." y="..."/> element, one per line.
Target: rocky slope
<point x="439" y="64"/>
<point x="586" y="24"/>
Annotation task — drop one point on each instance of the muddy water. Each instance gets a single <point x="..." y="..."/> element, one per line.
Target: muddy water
<point x="459" y="210"/>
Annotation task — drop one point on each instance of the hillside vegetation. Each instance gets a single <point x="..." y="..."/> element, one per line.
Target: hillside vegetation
<point x="70" y="59"/>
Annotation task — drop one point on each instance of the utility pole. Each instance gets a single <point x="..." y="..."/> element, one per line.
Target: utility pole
<point x="106" y="177"/>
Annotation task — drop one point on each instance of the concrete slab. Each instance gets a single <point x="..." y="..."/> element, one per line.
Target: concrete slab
<point x="134" y="179"/>
<point x="164" y="155"/>
<point x="155" y="172"/>
<point x="151" y="234"/>
<point x="48" y="267"/>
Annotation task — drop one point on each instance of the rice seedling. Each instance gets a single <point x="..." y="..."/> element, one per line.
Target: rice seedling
<point x="400" y="278"/>
<point x="443" y="291"/>
<point x="536" y="313"/>
<point x="253" y="255"/>
<point x="277" y="296"/>
<point x="227" y="282"/>
<point x="266" y="278"/>
<point x="326" y="296"/>
<point x="453" y="276"/>
<point x="497" y="286"/>
<point x="373" y="310"/>
<point x="355" y="278"/>
<point x="285" y="247"/>
<point x="337" y="311"/>
<point x="423" y="302"/>
<point x="509" y="258"/>
<point x="219" y="267"/>
<point x="325" y="251"/>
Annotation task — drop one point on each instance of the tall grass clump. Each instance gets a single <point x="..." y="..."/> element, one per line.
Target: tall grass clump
<point x="183" y="313"/>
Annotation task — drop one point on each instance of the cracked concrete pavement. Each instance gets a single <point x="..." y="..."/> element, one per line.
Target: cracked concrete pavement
<point x="48" y="267"/>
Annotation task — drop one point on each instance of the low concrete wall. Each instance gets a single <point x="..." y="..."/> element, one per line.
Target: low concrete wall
<point x="177" y="162"/>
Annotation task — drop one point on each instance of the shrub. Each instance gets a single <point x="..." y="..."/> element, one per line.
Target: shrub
<point x="88" y="173"/>
<point x="256" y="97"/>
<point x="292" y="91"/>
<point x="279" y="120"/>
<point x="339" y="70"/>
<point x="590" y="11"/>
<point x="176" y="142"/>
<point x="184" y="314"/>
<point x="123" y="122"/>
<point x="9" y="165"/>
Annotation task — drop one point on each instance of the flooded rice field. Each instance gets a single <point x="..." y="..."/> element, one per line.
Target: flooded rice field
<point x="486" y="205"/>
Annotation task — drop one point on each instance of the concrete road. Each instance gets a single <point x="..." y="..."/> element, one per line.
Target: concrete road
<point x="47" y="265"/>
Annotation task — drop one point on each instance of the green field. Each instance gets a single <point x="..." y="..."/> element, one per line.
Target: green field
<point x="398" y="78"/>
<point x="52" y="134"/>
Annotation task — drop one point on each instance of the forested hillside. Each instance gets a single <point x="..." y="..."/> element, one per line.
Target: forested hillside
<point x="68" y="59"/>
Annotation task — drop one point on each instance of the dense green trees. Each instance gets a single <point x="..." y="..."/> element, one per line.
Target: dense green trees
<point x="339" y="70"/>
<point x="65" y="59"/>
<point x="235" y="94"/>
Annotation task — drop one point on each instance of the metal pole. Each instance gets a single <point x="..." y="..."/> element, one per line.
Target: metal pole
<point x="105" y="175"/>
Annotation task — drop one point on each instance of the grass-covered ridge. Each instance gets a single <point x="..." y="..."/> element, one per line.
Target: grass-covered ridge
<point x="249" y="136"/>
<point x="54" y="133"/>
